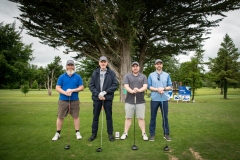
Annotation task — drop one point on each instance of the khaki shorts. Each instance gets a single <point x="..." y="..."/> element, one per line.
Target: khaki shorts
<point x="63" y="108"/>
<point x="140" y="110"/>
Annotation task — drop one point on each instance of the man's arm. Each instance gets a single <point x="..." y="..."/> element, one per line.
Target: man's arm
<point x="80" y="88"/>
<point x="60" y="90"/>
<point x="143" y="89"/>
<point x="126" y="86"/>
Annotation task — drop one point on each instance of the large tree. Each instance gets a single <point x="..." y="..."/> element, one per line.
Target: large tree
<point x="122" y="30"/>
<point x="14" y="56"/>
<point x="225" y="67"/>
<point x="53" y="71"/>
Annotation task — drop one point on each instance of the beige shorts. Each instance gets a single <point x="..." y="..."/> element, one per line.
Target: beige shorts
<point x="63" y="108"/>
<point x="140" y="110"/>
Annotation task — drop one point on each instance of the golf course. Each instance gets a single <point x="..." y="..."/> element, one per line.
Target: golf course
<point x="208" y="129"/>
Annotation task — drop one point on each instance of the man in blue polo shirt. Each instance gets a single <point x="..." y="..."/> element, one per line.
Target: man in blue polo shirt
<point x="159" y="82"/>
<point x="68" y="85"/>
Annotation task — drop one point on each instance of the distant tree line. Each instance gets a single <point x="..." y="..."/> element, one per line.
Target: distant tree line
<point x="16" y="69"/>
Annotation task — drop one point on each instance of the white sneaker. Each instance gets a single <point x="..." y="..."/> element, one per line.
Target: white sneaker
<point x="78" y="135"/>
<point x="145" y="137"/>
<point x="124" y="136"/>
<point x="56" y="136"/>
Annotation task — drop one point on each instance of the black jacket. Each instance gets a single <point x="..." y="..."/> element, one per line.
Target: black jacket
<point x="110" y="84"/>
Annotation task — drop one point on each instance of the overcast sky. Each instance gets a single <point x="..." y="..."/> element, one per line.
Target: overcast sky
<point x="45" y="55"/>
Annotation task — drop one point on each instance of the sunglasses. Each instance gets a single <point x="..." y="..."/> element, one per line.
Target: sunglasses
<point x="158" y="77"/>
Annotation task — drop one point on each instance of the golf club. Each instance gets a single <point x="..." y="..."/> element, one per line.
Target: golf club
<point x="68" y="146"/>
<point x="166" y="148"/>
<point x="134" y="147"/>
<point x="100" y="149"/>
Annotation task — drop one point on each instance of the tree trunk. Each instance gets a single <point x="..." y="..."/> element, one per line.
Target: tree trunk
<point x="48" y="87"/>
<point x="125" y="68"/>
<point x="193" y="94"/>
<point x="225" y="87"/>
<point x="142" y="56"/>
<point x="51" y="83"/>
<point x="221" y="91"/>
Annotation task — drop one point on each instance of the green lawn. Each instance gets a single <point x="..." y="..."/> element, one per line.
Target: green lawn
<point x="206" y="129"/>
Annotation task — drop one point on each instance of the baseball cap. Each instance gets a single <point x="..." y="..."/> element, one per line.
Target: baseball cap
<point x="135" y="63"/>
<point x="158" y="61"/>
<point x="103" y="58"/>
<point x="70" y="62"/>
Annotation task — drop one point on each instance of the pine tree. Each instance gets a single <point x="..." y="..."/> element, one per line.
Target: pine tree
<point x="225" y="67"/>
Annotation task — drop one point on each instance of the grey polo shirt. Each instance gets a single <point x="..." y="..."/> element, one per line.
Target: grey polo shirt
<point x="135" y="82"/>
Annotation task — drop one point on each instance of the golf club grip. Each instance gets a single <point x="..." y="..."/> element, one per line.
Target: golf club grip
<point x="135" y="99"/>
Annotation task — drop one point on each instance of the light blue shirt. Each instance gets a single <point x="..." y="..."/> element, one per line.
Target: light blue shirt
<point x="159" y="80"/>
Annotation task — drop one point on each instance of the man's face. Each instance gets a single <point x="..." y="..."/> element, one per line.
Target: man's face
<point x="135" y="68"/>
<point x="70" y="67"/>
<point x="159" y="66"/>
<point x="103" y="64"/>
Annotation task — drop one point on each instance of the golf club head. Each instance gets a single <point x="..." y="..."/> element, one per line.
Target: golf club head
<point x="166" y="148"/>
<point x="67" y="147"/>
<point x="134" y="147"/>
<point x="99" y="150"/>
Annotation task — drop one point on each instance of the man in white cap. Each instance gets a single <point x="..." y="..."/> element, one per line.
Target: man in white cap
<point x="103" y="84"/>
<point x="68" y="85"/>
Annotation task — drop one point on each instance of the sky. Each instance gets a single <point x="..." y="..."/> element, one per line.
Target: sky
<point x="44" y="54"/>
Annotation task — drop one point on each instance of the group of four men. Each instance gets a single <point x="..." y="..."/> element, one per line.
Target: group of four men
<point x="103" y="84"/>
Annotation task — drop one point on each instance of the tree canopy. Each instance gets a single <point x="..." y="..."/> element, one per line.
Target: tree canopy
<point x="122" y="30"/>
<point x="14" y="56"/>
<point x="147" y="29"/>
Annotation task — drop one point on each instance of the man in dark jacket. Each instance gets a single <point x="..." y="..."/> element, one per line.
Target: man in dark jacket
<point x="103" y="84"/>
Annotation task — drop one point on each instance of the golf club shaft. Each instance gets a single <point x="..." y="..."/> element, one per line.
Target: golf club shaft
<point x="69" y="106"/>
<point x="163" y="118"/>
<point x="134" y="115"/>
<point x="102" y="121"/>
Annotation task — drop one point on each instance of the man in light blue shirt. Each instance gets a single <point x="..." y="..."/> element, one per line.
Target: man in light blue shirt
<point x="159" y="82"/>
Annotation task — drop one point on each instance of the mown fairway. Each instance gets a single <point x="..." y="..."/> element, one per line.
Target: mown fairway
<point x="206" y="129"/>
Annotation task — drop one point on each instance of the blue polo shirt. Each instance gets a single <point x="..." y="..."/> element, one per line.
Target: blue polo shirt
<point x="69" y="82"/>
<point x="164" y="81"/>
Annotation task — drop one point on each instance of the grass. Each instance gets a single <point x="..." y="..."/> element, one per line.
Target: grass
<point x="206" y="129"/>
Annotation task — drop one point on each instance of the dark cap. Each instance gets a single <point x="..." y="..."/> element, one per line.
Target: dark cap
<point x="158" y="61"/>
<point x="70" y="62"/>
<point x="103" y="58"/>
<point x="135" y="63"/>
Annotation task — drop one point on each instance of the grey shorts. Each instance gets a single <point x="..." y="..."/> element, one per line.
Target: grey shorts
<point x="63" y="108"/>
<point x="140" y="110"/>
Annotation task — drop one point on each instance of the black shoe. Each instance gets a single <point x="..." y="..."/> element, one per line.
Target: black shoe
<point x="93" y="136"/>
<point x="111" y="138"/>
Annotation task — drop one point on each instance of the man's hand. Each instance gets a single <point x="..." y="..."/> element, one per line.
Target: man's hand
<point x="160" y="90"/>
<point x="133" y="91"/>
<point x="102" y="94"/>
<point x="136" y="90"/>
<point x="68" y="92"/>
<point x="102" y="98"/>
